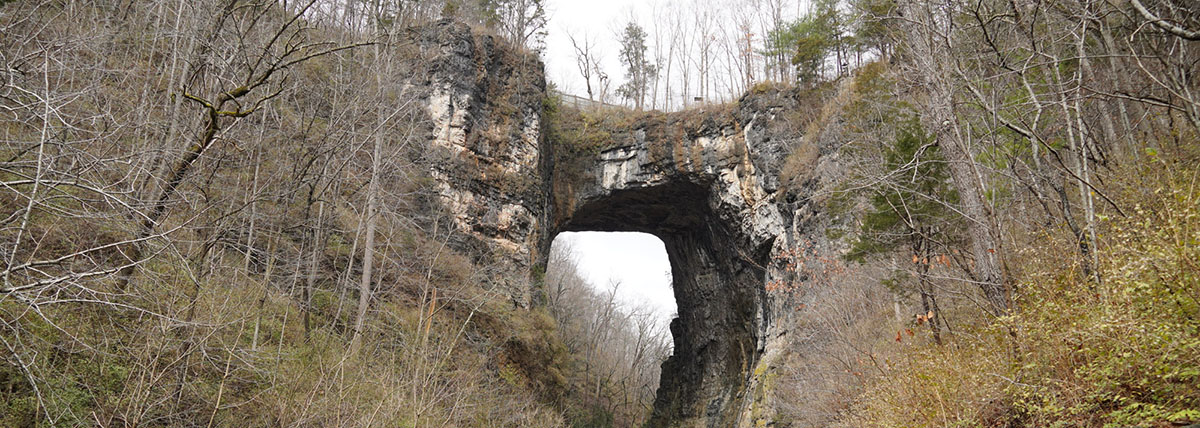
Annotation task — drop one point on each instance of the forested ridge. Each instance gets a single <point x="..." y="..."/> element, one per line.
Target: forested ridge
<point x="1020" y="175"/>
<point x="230" y="212"/>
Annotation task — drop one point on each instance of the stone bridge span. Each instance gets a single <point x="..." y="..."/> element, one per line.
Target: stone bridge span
<point x="705" y="182"/>
<point x="697" y="188"/>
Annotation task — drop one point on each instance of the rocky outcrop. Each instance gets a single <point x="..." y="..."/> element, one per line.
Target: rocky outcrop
<point x="694" y="180"/>
<point x="705" y="182"/>
<point x="484" y="101"/>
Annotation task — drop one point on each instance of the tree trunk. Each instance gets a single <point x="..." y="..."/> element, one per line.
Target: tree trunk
<point x="310" y="282"/>
<point x="930" y="43"/>
<point x="371" y="217"/>
<point x="1118" y="80"/>
<point x="928" y="302"/>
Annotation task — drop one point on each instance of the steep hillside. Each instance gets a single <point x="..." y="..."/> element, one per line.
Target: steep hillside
<point x="264" y="213"/>
<point x="228" y="216"/>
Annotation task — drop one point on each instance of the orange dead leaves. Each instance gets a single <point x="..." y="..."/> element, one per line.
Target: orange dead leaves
<point x="921" y="319"/>
<point x="941" y="259"/>
<point x="805" y="261"/>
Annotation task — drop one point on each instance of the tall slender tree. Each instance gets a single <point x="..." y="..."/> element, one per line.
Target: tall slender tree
<point x="639" y="71"/>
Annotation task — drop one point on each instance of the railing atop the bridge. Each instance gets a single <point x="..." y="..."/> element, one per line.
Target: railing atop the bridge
<point x="581" y="103"/>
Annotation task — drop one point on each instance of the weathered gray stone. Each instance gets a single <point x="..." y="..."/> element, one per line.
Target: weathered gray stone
<point x="484" y="104"/>
<point x="706" y="183"/>
<point x="705" y="201"/>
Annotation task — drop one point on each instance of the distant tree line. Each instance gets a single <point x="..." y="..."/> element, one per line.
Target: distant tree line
<point x="618" y="350"/>
<point x="705" y="51"/>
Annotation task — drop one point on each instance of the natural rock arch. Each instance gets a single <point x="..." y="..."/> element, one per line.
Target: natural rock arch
<point x="698" y="191"/>
<point x="719" y="306"/>
<point x="705" y="182"/>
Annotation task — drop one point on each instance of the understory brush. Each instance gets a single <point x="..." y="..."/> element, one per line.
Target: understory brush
<point x="245" y="359"/>
<point x="1124" y="351"/>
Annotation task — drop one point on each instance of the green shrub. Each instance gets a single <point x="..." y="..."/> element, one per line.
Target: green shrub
<point x="1124" y="352"/>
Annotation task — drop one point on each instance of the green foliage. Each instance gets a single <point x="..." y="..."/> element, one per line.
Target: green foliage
<point x="1123" y="352"/>
<point x="765" y="87"/>
<point x="909" y="203"/>
<point x="808" y="40"/>
<point x="875" y="109"/>
<point x="873" y="27"/>
<point x="594" y="416"/>
<point x="639" y="71"/>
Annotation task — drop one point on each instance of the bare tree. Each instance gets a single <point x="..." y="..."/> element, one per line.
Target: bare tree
<point x="522" y="21"/>
<point x="587" y="60"/>
<point x="931" y="42"/>
<point x="284" y="47"/>
<point x="704" y="24"/>
<point x="621" y="349"/>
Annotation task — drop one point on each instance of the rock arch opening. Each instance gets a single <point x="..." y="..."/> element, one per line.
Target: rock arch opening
<point x="718" y="288"/>
<point x="632" y="266"/>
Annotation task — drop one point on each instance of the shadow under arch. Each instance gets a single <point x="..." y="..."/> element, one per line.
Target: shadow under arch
<point x="718" y="287"/>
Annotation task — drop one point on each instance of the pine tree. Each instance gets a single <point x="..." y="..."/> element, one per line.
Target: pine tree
<point x="639" y="72"/>
<point x="908" y="213"/>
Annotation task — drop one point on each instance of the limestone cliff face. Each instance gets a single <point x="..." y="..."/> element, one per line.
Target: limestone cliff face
<point x="705" y="182"/>
<point x="484" y="101"/>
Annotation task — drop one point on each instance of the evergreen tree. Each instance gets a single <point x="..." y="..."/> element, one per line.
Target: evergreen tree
<point x="873" y="26"/>
<point x="908" y="213"/>
<point x="810" y="40"/>
<point x="639" y="72"/>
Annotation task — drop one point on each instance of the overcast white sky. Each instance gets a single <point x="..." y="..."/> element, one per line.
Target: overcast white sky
<point x="637" y="261"/>
<point x="601" y="21"/>
<point x="604" y="20"/>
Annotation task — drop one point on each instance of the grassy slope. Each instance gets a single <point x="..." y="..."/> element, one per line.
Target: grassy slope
<point x="205" y="336"/>
<point x="1120" y="353"/>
